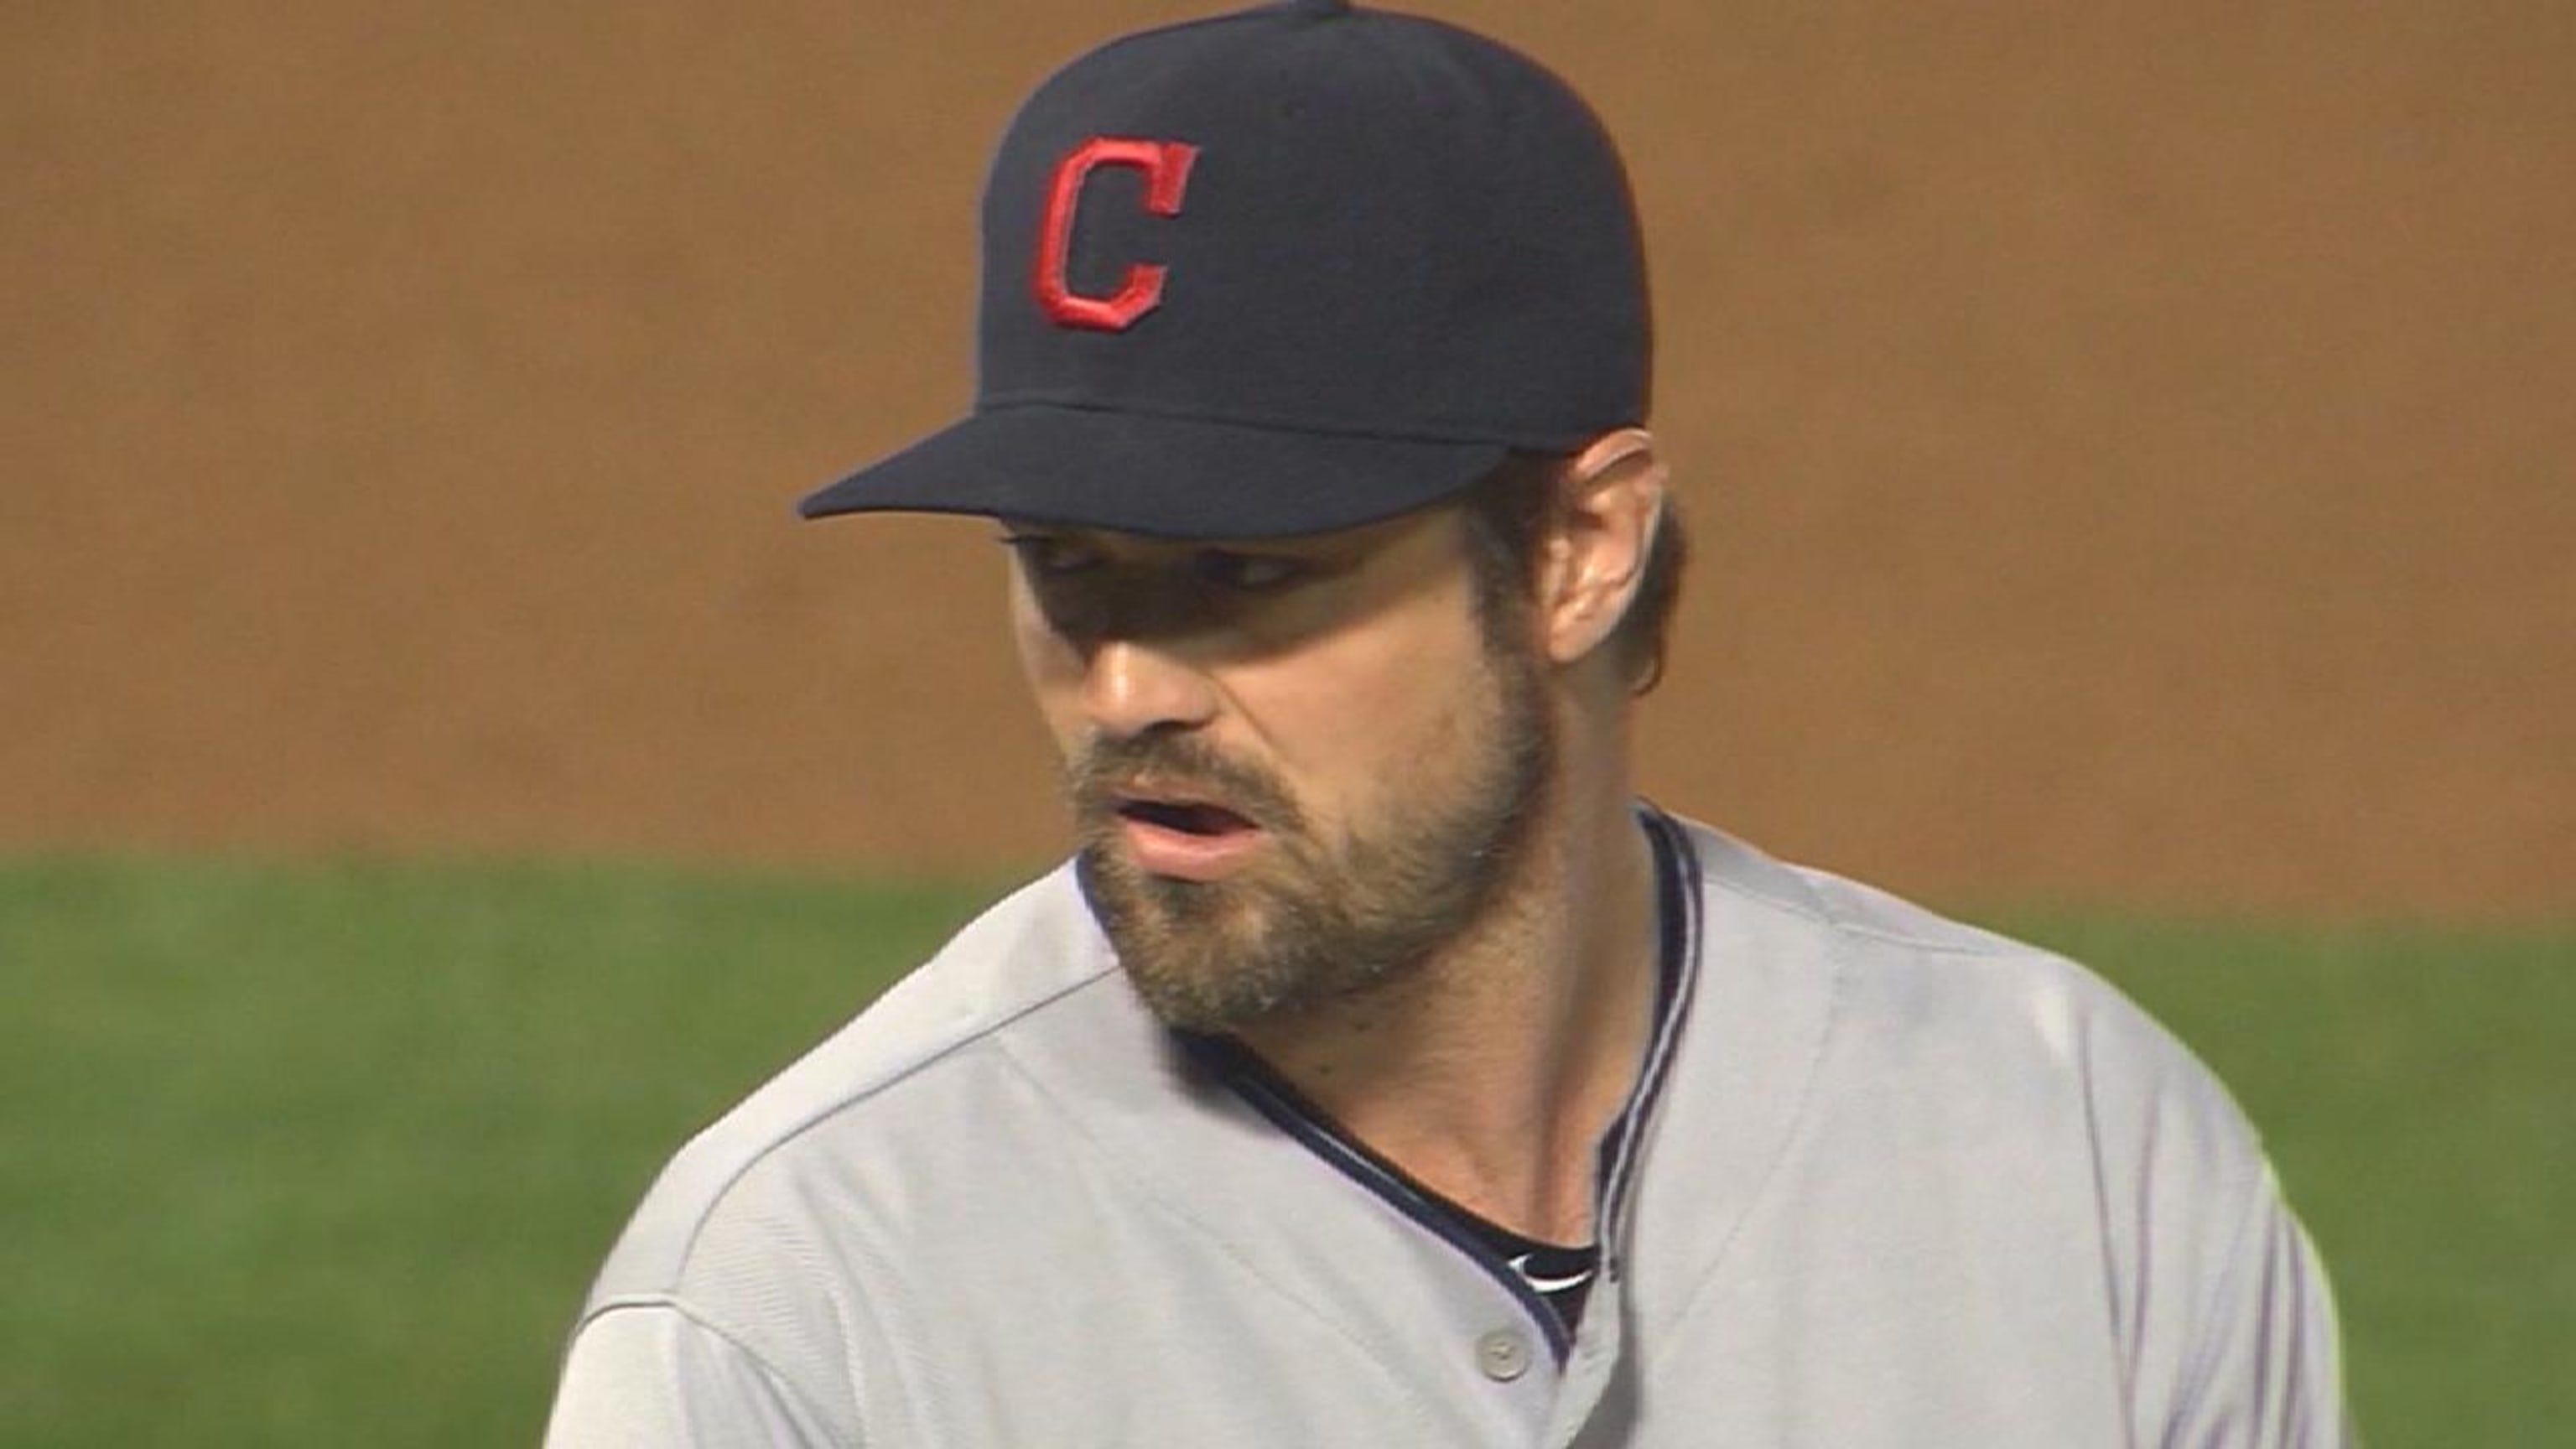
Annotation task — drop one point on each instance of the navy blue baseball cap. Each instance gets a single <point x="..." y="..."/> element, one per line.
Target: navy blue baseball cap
<point x="1286" y="271"/>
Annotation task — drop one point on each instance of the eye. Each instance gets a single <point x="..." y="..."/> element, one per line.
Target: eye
<point x="1250" y="573"/>
<point x="1051" y="555"/>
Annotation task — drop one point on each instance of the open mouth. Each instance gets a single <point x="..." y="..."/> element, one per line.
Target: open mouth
<point x="1187" y="817"/>
<point x="1178" y="837"/>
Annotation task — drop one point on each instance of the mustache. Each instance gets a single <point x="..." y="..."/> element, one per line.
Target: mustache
<point x="1109" y="768"/>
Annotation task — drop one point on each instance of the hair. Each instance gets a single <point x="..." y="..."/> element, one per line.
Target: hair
<point x="1508" y="512"/>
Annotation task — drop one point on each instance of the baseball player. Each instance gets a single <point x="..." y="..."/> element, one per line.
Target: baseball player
<point x="1381" y="1071"/>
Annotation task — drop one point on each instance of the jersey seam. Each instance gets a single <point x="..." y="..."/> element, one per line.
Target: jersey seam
<point x="1372" y="1353"/>
<point x="1818" y="913"/>
<point x="2196" y="1379"/>
<point x="2120" y="1297"/>
<point x="717" y="1197"/>
<point x="1799" y="1122"/>
<point x="1842" y="925"/>
<point x="1998" y="951"/>
<point x="674" y="1303"/>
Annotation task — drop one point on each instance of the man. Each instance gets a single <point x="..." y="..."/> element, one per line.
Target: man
<point x="1381" y="1071"/>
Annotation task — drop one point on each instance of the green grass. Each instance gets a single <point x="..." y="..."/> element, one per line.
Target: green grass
<point x="325" y="1155"/>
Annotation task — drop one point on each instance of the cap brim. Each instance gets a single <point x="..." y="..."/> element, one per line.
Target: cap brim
<point x="1166" y="477"/>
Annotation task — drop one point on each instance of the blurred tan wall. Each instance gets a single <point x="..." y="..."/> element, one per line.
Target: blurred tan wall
<point x="2129" y="445"/>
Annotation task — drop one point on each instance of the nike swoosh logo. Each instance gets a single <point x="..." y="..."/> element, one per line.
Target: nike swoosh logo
<point x="1520" y="1265"/>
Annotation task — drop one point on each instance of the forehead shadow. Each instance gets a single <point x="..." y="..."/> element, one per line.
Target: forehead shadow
<point x="1366" y="573"/>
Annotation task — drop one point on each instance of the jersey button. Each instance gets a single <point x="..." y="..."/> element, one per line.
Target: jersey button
<point x="1503" y="1354"/>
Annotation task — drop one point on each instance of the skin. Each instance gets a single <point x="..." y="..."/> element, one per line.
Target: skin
<point x="1352" y="669"/>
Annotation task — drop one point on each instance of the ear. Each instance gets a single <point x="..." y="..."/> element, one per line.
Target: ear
<point x="1606" y="506"/>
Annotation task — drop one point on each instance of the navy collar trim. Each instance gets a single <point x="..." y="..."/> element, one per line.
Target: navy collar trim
<point x="1679" y="935"/>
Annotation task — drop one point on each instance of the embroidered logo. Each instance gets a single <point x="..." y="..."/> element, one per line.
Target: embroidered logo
<point x="1166" y="165"/>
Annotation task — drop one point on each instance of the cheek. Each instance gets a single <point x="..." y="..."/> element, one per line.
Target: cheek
<point x="1050" y="666"/>
<point x="1376" y="714"/>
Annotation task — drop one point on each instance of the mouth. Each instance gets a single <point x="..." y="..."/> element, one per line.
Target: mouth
<point x="1185" y="838"/>
<point x="1188" y="817"/>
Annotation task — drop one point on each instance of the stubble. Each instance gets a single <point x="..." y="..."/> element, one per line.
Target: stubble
<point x="1315" y="921"/>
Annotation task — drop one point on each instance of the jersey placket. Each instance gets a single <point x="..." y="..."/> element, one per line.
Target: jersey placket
<point x="1510" y="1353"/>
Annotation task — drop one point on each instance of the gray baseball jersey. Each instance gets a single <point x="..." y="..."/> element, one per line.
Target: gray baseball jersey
<point x="1887" y="1180"/>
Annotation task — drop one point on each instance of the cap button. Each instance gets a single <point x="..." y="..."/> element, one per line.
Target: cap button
<point x="1320" y="9"/>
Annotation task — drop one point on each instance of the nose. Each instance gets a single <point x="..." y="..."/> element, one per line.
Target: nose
<point x="1130" y="686"/>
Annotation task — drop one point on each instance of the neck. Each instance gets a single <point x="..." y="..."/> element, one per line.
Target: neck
<point x="1491" y="1074"/>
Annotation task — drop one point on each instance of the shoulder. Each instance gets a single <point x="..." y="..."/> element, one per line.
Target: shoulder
<point x="1865" y="1081"/>
<point x="1902" y="994"/>
<point x="925" y="1037"/>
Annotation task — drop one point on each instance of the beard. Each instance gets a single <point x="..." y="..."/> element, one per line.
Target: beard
<point x="1315" y="921"/>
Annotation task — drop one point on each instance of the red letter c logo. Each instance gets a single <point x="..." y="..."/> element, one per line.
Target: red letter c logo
<point x="1166" y="165"/>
